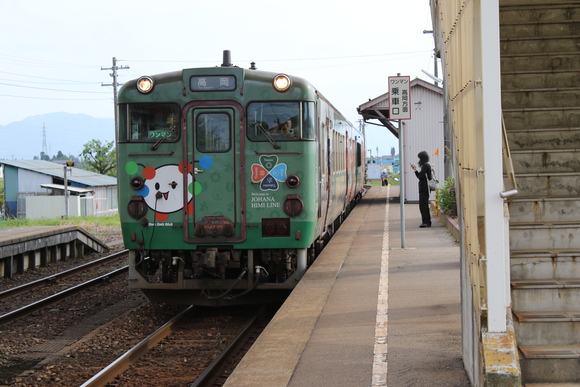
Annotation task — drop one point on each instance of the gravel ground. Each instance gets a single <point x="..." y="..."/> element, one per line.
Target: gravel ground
<point x="100" y="348"/>
<point x="31" y="352"/>
<point x="20" y="339"/>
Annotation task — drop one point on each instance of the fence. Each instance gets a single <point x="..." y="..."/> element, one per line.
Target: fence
<point x="53" y="207"/>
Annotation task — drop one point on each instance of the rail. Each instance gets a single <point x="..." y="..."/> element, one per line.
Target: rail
<point x="122" y="363"/>
<point x="114" y="369"/>
<point x="211" y="371"/>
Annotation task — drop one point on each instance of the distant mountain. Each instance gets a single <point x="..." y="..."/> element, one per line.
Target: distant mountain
<point x="65" y="132"/>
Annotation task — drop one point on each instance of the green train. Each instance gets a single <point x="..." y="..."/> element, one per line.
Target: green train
<point x="231" y="181"/>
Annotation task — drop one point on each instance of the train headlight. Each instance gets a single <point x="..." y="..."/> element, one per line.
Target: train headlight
<point x="137" y="183"/>
<point x="145" y="84"/>
<point x="293" y="181"/>
<point x="282" y="82"/>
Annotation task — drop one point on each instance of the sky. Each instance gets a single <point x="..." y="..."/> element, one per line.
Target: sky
<point x="52" y="53"/>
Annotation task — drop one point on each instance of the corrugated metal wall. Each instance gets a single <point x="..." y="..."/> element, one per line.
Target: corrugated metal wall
<point x="30" y="181"/>
<point x="424" y="132"/>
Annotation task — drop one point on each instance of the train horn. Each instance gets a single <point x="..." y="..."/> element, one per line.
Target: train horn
<point x="227" y="62"/>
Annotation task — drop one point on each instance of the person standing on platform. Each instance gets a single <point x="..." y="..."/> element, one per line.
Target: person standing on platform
<point x="423" y="175"/>
<point x="384" y="178"/>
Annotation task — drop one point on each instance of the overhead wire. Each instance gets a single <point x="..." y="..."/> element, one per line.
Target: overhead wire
<point x="44" y="88"/>
<point x="29" y="79"/>
<point x="281" y="60"/>
<point x="42" y="63"/>
<point x="57" y="99"/>
<point x="12" y="59"/>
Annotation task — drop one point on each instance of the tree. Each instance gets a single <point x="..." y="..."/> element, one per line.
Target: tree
<point x="393" y="151"/>
<point x="60" y="156"/>
<point x="99" y="157"/>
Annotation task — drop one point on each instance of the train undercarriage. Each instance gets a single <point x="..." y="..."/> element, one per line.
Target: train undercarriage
<point x="217" y="275"/>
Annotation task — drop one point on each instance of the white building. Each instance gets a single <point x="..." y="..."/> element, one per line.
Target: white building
<point x="35" y="189"/>
<point x="423" y="132"/>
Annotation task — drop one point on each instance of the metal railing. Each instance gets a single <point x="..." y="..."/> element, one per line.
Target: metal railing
<point x="512" y="188"/>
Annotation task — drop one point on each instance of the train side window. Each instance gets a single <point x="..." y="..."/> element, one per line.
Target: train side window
<point x="212" y="132"/>
<point x="153" y="122"/>
<point x="308" y="121"/>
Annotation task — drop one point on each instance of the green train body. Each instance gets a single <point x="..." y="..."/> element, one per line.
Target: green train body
<point x="228" y="187"/>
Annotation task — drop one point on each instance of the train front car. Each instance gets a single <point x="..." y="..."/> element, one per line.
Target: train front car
<point x="220" y="194"/>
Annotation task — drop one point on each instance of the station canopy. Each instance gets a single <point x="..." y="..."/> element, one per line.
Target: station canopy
<point x="69" y="188"/>
<point x="377" y="109"/>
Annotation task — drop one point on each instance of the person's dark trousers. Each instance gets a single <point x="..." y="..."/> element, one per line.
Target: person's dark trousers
<point x="424" y="208"/>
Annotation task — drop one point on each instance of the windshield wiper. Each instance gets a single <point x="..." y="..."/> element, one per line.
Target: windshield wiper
<point x="156" y="145"/>
<point x="272" y="141"/>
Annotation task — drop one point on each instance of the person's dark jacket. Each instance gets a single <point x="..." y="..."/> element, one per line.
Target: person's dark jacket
<point x="423" y="175"/>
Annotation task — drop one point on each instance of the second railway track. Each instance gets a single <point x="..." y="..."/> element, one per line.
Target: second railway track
<point x="40" y="293"/>
<point x="36" y="325"/>
<point x="55" y="278"/>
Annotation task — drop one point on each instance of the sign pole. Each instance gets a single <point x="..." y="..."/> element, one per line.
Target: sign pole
<point x="65" y="193"/>
<point x="400" y="109"/>
<point x="402" y="184"/>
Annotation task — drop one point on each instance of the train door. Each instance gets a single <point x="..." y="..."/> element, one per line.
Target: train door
<point x="215" y="138"/>
<point x="325" y="170"/>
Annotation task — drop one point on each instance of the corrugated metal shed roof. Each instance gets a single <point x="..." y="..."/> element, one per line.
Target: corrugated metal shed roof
<point x="378" y="108"/>
<point x="86" y="178"/>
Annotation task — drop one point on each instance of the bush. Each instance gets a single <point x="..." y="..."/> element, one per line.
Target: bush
<point x="447" y="202"/>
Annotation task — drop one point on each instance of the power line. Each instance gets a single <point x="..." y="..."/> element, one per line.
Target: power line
<point x="42" y="88"/>
<point x="61" y="82"/>
<point x="281" y="60"/>
<point x="44" y="78"/>
<point x="55" y="99"/>
<point x="11" y="59"/>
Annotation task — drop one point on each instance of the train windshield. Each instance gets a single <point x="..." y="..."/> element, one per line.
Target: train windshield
<point x="281" y="121"/>
<point x="153" y="122"/>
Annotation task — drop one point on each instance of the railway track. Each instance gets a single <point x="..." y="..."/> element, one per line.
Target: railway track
<point x="175" y="349"/>
<point x="65" y="345"/>
<point x="40" y="319"/>
<point x="24" y="310"/>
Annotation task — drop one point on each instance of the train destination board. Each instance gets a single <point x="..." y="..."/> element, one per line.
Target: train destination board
<point x="212" y="82"/>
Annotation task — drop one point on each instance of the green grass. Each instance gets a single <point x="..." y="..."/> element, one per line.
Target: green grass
<point x="79" y="221"/>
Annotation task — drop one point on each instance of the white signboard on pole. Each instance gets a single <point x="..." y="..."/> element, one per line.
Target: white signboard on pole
<point x="400" y="98"/>
<point x="400" y="109"/>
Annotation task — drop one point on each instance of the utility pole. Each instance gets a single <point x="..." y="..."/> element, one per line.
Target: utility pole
<point x="44" y="139"/>
<point x="67" y="168"/>
<point x="115" y="84"/>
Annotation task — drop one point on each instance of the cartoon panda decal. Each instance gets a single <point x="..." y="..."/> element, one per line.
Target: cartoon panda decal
<point x="162" y="188"/>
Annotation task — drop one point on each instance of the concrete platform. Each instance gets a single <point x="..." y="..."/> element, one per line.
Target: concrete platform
<point x="367" y="312"/>
<point x="23" y="248"/>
